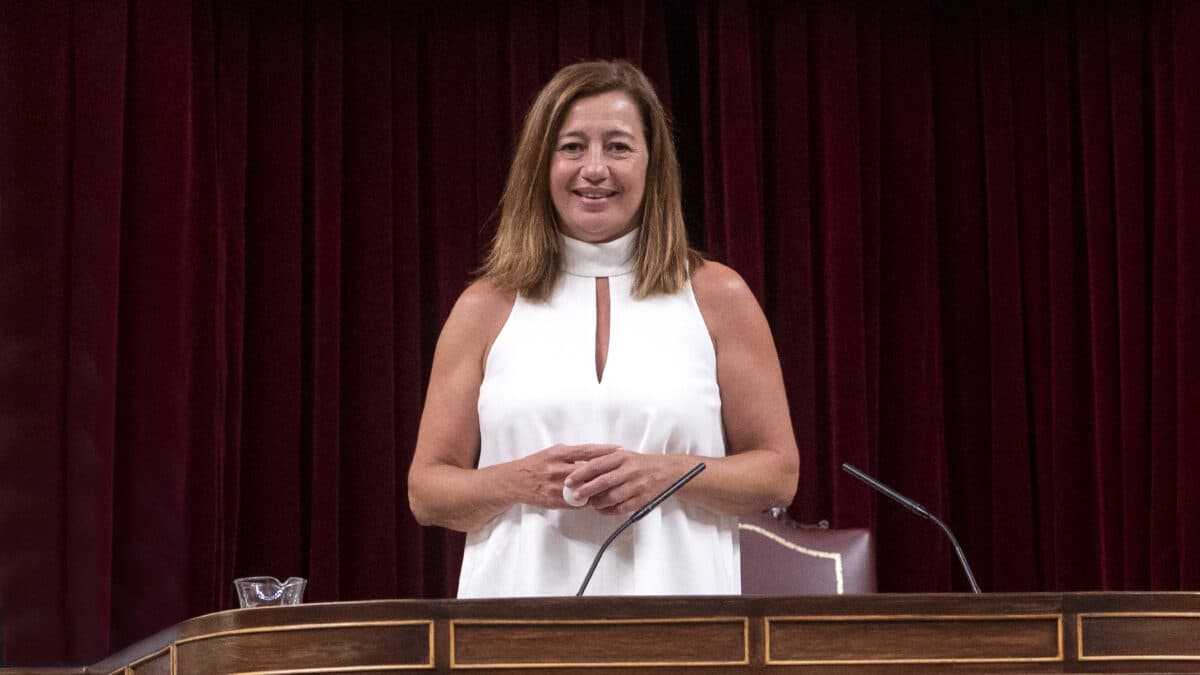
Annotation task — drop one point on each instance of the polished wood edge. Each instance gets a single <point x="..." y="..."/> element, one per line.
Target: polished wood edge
<point x="455" y="665"/>
<point x="828" y="555"/>
<point x="313" y="626"/>
<point x="1131" y="615"/>
<point x="1058" y="618"/>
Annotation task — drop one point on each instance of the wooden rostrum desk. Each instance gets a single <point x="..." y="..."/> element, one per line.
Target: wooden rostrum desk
<point x="1026" y="633"/>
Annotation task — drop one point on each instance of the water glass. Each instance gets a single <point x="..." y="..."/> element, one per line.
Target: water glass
<point x="268" y="591"/>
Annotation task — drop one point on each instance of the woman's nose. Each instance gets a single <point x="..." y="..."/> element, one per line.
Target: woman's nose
<point x="595" y="168"/>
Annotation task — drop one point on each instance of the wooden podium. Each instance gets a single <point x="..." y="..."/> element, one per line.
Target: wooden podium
<point x="1026" y="633"/>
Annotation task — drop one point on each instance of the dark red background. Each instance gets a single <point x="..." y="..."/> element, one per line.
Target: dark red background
<point x="229" y="233"/>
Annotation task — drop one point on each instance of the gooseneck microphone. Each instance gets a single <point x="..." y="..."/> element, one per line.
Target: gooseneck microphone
<point x="920" y="511"/>
<point x="638" y="515"/>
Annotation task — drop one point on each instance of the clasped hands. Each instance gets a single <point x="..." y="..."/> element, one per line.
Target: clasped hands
<point x="612" y="479"/>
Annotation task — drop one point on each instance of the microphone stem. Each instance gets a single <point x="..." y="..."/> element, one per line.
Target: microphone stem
<point x="962" y="558"/>
<point x="638" y="515"/>
<point x="600" y="554"/>
<point x="920" y="511"/>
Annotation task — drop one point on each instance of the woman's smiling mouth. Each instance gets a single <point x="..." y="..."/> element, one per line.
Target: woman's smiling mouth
<point x="593" y="194"/>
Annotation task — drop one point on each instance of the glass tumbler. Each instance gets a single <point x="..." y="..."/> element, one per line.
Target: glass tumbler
<point x="268" y="591"/>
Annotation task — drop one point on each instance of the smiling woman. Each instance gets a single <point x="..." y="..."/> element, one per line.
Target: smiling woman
<point x="598" y="173"/>
<point x="598" y="353"/>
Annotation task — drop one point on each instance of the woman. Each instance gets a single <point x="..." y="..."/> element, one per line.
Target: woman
<point x="597" y="352"/>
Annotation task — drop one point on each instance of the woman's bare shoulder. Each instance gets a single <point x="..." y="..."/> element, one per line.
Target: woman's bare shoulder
<point x="725" y="300"/>
<point x="714" y="284"/>
<point x="482" y="308"/>
<point x="484" y="296"/>
<point x="477" y="317"/>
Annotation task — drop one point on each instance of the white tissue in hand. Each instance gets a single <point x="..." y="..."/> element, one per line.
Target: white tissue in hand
<point x="570" y="497"/>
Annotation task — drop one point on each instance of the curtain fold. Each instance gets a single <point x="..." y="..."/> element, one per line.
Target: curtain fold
<point x="230" y="233"/>
<point x="908" y="342"/>
<point x="97" y="133"/>
<point x="1186" y="71"/>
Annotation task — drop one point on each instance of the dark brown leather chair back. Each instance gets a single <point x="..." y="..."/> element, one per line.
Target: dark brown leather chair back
<point x="782" y="557"/>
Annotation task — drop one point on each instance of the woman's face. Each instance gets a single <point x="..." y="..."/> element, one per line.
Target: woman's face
<point x="598" y="170"/>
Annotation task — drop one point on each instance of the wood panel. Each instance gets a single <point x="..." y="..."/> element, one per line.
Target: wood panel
<point x="599" y="642"/>
<point x="361" y="645"/>
<point x="1139" y="636"/>
<point x="914" y="639"/>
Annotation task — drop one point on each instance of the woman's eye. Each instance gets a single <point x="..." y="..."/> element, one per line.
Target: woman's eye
<point x="570" y="147"/>
<point x="620" y="147"/>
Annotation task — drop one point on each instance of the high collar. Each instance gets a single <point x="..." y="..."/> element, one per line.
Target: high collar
<point x="607" y="259"/>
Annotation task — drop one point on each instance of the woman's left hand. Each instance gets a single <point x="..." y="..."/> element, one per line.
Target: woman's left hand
<point x="624" y="481"/>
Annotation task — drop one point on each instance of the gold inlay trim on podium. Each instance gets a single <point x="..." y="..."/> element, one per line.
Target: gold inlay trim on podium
<point x="1131" y="615"/>
<point x="454" y="664"/>
<point x="332" y="669"/>
<point x="828" y="555"/>
<point x="1058" y="618"/>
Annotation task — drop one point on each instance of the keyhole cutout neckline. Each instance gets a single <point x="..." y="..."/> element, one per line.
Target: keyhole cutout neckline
<point x="601" y="261"/>
<point x="607" y="259"/>
<point x="603" y="321"/>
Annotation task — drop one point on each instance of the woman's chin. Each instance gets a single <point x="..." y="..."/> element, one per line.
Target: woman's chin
<point x="595" y="233"/>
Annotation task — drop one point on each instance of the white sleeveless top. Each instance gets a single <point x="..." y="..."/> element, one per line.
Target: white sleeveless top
<point x="658" y="394"/>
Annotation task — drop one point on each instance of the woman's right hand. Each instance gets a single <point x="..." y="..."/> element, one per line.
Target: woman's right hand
<point x="539" y="477"/>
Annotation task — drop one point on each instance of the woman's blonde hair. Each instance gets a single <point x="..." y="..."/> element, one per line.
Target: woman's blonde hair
<point x="525" y="251"/>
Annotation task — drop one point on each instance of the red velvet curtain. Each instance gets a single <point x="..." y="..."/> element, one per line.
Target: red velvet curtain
<point x="229" y="233"/>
